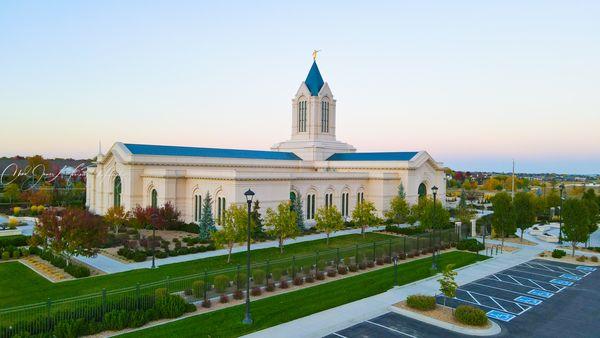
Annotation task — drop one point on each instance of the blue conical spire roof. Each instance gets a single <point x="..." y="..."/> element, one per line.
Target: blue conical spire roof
<point x="314" y="80"/>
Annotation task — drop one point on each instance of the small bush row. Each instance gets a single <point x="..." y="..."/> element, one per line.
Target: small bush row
<point x="75" y="270"/>
<point x="140" y="255"/>
<point x="421" y="302"/>
<point x="471" y="244"/>
<point x="408" y="231"/>
<point x="557" y="253"/>
<point x="470" y="315"/>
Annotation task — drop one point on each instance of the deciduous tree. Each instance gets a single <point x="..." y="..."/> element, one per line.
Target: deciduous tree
<point x="503" y="216"/>
<point x="448" y="285"/>
<point x="364" y="216"/>
<point x="434" y="216"/>
<point x="398" y="211"/>
<point x="235" y="222"/>
<point x="117" y="217"/>
<point x="575" y="222"/>
<point x="524" y="211"/>
<point x="329" y="220"/>
<point x="282" y="223"/>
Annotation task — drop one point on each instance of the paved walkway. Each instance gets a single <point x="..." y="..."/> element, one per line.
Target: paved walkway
<point x="332" y="320"/>
<point x="110" y="265"/>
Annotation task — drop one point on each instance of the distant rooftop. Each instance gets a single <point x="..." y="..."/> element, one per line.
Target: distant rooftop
<point x="382" y="156"/>
<point x="148" y="149"/>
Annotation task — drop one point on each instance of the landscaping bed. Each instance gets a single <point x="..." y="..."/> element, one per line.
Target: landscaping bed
<point x="565" y="256"/>
<point x="444" y="314"/>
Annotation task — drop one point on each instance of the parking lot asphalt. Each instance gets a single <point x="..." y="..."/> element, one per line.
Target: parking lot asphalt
<point x="538" y="298"/>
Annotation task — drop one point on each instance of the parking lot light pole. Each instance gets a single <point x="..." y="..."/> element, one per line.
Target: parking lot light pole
<point x="434" y="190"/>
<point x="248" y="319"/>
<point x="561" y="188"/>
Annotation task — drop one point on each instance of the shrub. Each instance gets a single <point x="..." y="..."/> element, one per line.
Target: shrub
<point x="5" y="255"/>
<point x="161" y="254"/>
<point x="421" y="302"/>
<point x="298" y="281"/>
<point x="342" y="270"/>
<point x="221" y="283"/>
<point x="594" y="259"/>
<point x="379" y="261"/>
<point x="310" y="278"/>
<point x="331" y="273"/>
<point x="224" y="299"/>
<point x="238" y="294"/>
<point x="241" y="280"/>
<point x="353" y="267"/>
<point x="206" y="303"/>
<point x="16" y="254"/>
<point x="77" y="271"/>
<point x="320" y="275"/>
<point x="139" y="256"/>
<point x="256" y="291"/>
<point x="387" y="259"/>
<point x="258" y="276"/>
<point x="557" y="253"/>
<point x="16" y="211"/>
<point x="188" y="292"/>
<point x="276" y="274"/>
<point x="402" y="256"/>
<point x="370" y="264"/>
<point x="283" y="284"/>
<point x="198" y="289"/>
<point x="161" y="293"/>
<point x="470" y="315"/>
<point x="471" y="244"/>
<point x="410" y="255"/>
<point x="270" y="287"/>
<point x="581" y="258"/>
<point x="362" y="265"/>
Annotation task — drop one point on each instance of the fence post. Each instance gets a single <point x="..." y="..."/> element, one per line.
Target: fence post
<point x="374" y="251"/>
<point x="390" y="249"/>
<point x="356" y="254"/>
<point x="293" y="267"/>
<point x="103" y="301"/>
<point x="337" y="260"/>
<point x="205" y="283"/>
<point x="237" y="277"/>
<point x="417" y="243"/>
<point x="404" y="246"/>
<point x="137" y="296"/>
<point x="268" y="268"/>
<point x="317" y="262"/>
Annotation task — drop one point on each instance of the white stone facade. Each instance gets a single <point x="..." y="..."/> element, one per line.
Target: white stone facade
<point x="179" y="178"/>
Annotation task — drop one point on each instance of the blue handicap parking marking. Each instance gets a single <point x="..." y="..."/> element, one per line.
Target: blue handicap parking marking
<point x="585" y="268"/>
<point x="503" y="316"/>
<point x="528" y="300"/>
<point x="570" y="276"/>
<point x="541" y="293"/>
<point x="561" y="282"/>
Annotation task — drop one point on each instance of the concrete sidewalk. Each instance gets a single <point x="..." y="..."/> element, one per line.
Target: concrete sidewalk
<point x="335" y="319"/>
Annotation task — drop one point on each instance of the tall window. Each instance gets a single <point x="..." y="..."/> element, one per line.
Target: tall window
<point x="328" y="200"/>
<point x="117" y="192"/>
<point x="360" y="197"/>
<point x="302" y="116"/>
<point x="345" y="204"/>
<point x="324" y="117"/>
<point x="220" y="210"/>
<point x="310" y="206"/>
<point x="154" y="202"/>
<point x="197" y="208"/>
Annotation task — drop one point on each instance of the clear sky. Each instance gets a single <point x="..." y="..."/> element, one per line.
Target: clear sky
<point x="475" y="83"/>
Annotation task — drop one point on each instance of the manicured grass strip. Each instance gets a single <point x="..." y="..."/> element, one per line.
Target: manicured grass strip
<point x="286" y="307"/>
<point x="32" y="288"/>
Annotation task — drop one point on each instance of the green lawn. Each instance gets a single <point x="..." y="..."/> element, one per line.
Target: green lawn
<point x="27" y="287"/>
<point x="286" y="307"/>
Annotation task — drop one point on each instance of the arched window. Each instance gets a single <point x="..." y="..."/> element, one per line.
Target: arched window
<point x="328" y="200"/>
<point x="324" y="117"/>
<point x="117" y="192"/>
<point x="221" y="210"/>
<point x="154" y="202"/>
<point x="422" y="190"/>
<point x="302" y="116"/>
<point x="197" y="208"/>
<point x="310" y="206"/>
<point x="360" y="197"/>
<point x="345" y="204"/>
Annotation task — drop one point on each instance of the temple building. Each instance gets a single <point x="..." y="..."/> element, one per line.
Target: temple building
<point x="312" y="165"/>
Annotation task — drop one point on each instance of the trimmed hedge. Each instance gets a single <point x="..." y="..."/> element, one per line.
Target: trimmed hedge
<point x="471" y="244"/>
<point x="470" y="315"/>
<point x="557" y="253"/>
<point x="408" y="231"/>
<point x="17" y="240"/>
<point x="75" y="270"/>
<point x="421" y="302"/>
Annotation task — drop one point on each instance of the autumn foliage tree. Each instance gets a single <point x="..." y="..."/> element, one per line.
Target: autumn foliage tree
<point x="117" y="217"/>
<point x="74" y="232"/>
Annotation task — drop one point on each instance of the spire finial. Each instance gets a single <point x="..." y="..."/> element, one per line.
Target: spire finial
<point x="314" y="54"/>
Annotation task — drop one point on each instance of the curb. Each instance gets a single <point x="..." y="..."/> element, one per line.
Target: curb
<point x="493" y="330"/>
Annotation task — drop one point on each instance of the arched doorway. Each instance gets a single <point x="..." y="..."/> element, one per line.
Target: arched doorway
<point x="154" y="200"/>
<point x="117" y="192"/>
<point x="422" y="191"/>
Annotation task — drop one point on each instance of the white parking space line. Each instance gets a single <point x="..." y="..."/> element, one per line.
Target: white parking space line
<point x="489" y="307"/>
<point x="391" y="329"/>
<point x="543" y="267"/>
<point x="556" y="287"/>
<point x="532" y="273"/>
<point x="493" y="298"/>
<point x="494" y="287"/>
<point x="569" y="270"/>
<point x="339" y="335"/>
<point x="470" y="295"/>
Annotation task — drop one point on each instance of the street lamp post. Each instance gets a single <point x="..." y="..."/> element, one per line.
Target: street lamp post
<point x="434" y="190"/>
<point x="154" y="218"/>
<point x="561" y="188"/>
<point x="248" y="319"/>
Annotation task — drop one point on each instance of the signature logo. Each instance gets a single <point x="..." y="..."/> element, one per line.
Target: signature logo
<point x="33" y="177"/>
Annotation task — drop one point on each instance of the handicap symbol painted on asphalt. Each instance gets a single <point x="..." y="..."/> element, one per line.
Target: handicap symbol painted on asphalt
<point x="585" y="268"/>
<point x="540" y="293"/>
<point x="569" y="276"/>
<point x="503" y="316"/>
<point x="561" y="282"/>
<point x="528" y="300"/>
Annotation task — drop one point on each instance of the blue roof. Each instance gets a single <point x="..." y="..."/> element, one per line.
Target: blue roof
<point x="386" y="156"/>
<point x="314" y="80"/>
<point x="148" y="149"/>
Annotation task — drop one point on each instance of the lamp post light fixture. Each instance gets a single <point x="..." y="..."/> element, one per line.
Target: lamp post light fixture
<point x="561" y="188"/>
<point x="153" y="220"/>
<point x="248" y="319"/>
<point x="434" y="190"/>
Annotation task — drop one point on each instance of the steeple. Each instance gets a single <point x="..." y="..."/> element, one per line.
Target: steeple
<point x="314" y="80"/>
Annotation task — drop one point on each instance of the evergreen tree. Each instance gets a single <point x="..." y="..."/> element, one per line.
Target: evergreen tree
<point x="401" y="192"/>
<point x="297" y="207"/>
<point x="257" y="227"/>
<point x="207" y="222"/>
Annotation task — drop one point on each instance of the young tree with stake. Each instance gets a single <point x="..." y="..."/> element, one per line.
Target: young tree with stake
<point x="282" y="223"/>
<point x="329" y="220"/>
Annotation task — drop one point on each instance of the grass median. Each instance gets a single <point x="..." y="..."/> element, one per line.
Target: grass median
<point x="28" y="287"/>
<point x="286" y="307"/>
